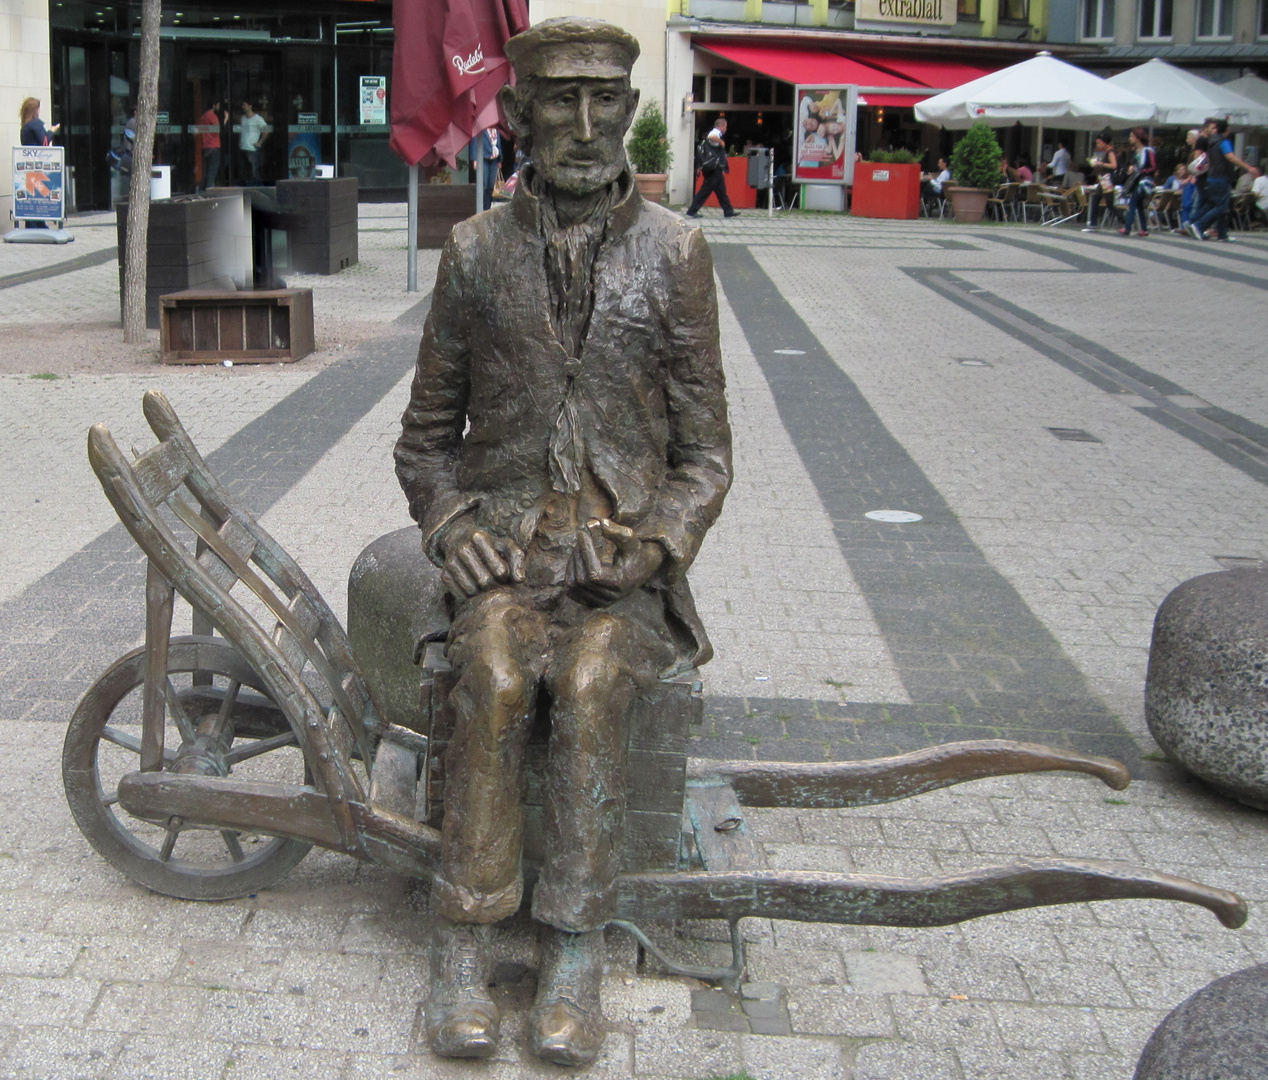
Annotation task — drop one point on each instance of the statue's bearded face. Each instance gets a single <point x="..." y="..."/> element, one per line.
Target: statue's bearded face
<point x="576" y="128"/>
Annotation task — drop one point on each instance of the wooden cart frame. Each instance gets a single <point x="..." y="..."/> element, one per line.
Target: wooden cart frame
<point x="185" y="719"/>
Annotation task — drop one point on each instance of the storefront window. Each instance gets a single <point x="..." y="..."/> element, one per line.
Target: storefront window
<point x="966" y="9"/>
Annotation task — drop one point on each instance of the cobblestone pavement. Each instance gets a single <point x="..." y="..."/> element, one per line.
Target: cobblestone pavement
<point x="913" y="366"/>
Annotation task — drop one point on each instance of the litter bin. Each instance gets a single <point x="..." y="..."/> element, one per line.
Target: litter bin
<point x="759" y="168"/>
<point x="160" y="182"/>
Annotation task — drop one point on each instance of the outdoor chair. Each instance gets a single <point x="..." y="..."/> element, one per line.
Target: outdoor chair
<point x="1031" y="201"/>
<point x="1058" y="207"/>
<point x="1164" y="212"/>
<point x="1241" y="210"/>
<point x="1001" y="204"/>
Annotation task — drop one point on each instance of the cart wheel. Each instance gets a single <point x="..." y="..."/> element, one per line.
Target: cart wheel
<point x="239" y="728"/>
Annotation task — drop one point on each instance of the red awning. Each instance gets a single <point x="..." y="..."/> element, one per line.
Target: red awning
<point x="937" y="74"/>
<point x="814" y="67"/>
<point x="881" y="79"/>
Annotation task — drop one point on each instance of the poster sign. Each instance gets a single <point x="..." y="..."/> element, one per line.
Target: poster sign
<point x="374" y="99"/>
<point x="38" y="193"/>
<point x="929" y="12"/>
<point x="824" y="138"/>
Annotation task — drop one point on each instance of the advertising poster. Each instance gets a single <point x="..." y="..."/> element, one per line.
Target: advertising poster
<point x="823" y="140"/>
<point x="374" y="99"/>
<point x="303" y="147"/>
<point x="37" y="183"/>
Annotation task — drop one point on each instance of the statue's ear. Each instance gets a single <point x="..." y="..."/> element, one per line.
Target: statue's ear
<point x="632" y="108"/>
<point x="514" y="108"/>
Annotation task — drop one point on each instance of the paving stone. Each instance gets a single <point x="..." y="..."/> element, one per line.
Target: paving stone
<point x="1020" y="607"/>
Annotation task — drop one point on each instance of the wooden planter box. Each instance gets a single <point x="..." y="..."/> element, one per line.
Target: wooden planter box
<point x="321" y="223"/>
<point x="440" y="208"/>
<point x="184" y="249"/>
<point x="886" y="190"/>
<point x="204" y="327"/>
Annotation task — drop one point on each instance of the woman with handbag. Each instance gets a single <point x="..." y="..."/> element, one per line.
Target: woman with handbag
<point x="1139" y="187"/>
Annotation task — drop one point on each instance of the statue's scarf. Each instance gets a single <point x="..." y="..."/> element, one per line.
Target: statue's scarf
<point x="570" y="256"/>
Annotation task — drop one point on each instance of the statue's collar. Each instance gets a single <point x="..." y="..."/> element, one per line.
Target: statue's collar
<point x="621" y="217"/>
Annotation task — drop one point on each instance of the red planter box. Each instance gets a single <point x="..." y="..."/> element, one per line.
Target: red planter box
<point x="886" y="191"/>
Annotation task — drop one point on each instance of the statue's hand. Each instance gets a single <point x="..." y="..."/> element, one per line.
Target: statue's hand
<point x="476" y="560"/>
<point x="599" y="584"/>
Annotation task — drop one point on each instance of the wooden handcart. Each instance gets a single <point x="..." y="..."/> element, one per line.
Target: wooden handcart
<point x="205" y="766"/>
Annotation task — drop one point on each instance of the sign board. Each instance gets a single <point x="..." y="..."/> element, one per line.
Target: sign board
<point x="825" y="133"/>
<point x="928" y="12"/>
<point x="374" y="99"/>
<point x="38" y="191"/>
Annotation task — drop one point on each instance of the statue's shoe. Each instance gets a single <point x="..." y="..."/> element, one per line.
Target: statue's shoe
<point x="566" y="1024"/>
<point x="563" y="1033"/>
<point x="462" y="1019"/>
<point x="462" y="1029"/>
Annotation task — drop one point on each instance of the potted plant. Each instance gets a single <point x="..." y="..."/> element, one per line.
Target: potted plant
<point x="649" y="152"/>
<point x="974" y="172"/>
<point x="887" y="185"/>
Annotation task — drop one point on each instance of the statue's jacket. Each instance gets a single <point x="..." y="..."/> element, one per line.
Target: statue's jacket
<point x="648" y="388"/>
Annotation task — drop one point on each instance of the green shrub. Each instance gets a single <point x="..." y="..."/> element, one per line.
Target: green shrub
<point x="975" y="159"/>
<point x="648" y="146"/>
<point x="893" y="157"/>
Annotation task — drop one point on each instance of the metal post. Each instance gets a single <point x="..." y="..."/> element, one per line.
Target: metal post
<point x="770" y="187"/>
<point x="477" y="155"/>
<point x="411" y="274"/>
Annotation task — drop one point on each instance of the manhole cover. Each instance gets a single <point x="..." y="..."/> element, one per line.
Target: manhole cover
<point x="894" y="517"/>
<point x="1073" y="434"/>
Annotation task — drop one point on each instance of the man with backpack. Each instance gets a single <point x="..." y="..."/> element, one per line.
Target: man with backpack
<point x="713" y="165"/>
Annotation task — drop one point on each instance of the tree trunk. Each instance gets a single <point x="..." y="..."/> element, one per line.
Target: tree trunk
<point x="135" y="260"/>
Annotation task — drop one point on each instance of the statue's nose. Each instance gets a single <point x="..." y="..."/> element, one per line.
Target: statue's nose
<point x="584" y="128"/>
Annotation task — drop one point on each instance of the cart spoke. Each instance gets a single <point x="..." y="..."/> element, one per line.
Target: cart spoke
<point x="261" y="746"/>
<point x="231" y="842"/>
<point x="179" y="716"/>
<point x="131" y="742"/>
<point x="226" y="709"/>
<point x="169" y="841"/>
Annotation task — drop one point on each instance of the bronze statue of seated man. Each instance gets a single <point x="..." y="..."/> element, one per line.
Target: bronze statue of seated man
<point x="564" y="451"/>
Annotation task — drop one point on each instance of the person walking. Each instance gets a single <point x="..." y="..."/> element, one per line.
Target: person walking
<point x="253" y="131"/>
<point x="490" y="161"/>
<point x="1220" y="161"/>
<point x="713" y="169"/>
<point x="1140" y="182"/>
<point x="215" y="117"/>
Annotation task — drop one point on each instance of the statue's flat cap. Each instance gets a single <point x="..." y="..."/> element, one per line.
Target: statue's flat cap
<point x="573" y="48"/>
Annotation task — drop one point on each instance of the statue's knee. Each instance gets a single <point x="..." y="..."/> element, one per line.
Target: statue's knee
<point x="499" y="681"/>
<point x="588" y="672"/>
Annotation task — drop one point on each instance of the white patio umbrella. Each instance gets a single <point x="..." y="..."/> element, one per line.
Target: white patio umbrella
<point x="1186" y="99"/>
<point x="1042" y="90"/>
<point x="1251" y="86"/>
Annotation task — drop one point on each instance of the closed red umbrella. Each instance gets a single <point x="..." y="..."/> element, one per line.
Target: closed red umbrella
<point x="448" y="65"/>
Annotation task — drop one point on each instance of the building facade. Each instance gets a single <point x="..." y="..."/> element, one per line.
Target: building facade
<point x="304" y="65"/>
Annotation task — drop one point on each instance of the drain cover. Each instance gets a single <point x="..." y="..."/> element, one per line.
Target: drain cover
<point x="972" y="361"/>
<point x="1236" y="562"/>
<point x="790" y="352"/>
<point x="895" y="517"/>
<point x="1073" y="434"/>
